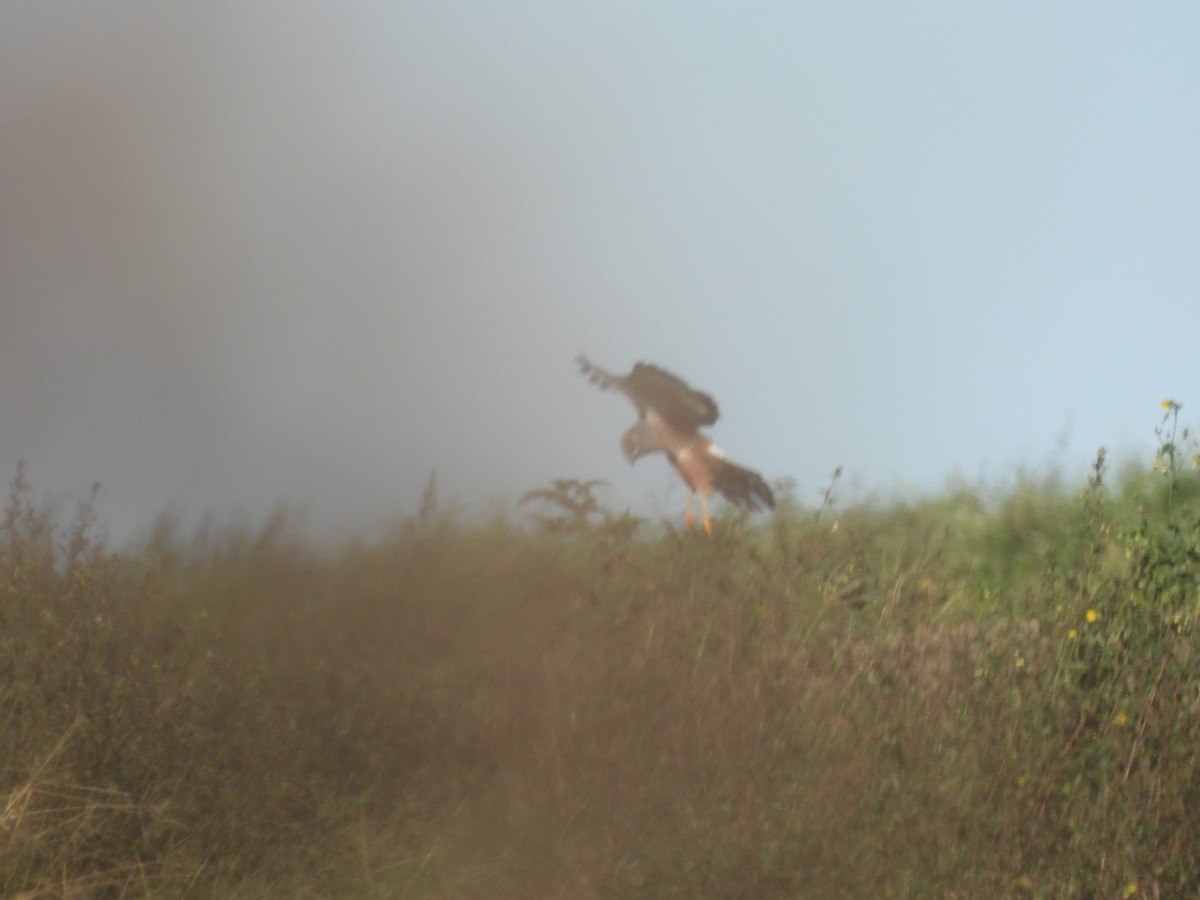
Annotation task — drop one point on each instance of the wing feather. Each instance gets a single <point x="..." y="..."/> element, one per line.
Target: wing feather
<point x="650" y="387"/>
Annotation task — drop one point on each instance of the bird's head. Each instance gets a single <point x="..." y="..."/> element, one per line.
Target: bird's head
<point x="636" y="442"/>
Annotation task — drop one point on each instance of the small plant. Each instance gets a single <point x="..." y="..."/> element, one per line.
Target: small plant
<point x="578" y="508"/>
<point x="429" y="500"/>
<point x="828" y="498"/>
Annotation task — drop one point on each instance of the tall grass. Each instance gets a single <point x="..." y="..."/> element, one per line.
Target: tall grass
<point x="953" y="697"/>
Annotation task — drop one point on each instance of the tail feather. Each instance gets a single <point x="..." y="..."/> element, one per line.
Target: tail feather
<point x="742" y="486"/>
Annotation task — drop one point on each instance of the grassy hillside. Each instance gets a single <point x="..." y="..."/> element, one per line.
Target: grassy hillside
<point x="957" y="697"/>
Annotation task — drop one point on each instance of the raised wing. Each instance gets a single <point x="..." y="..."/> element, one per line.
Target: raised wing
<point x="652" y="388"/>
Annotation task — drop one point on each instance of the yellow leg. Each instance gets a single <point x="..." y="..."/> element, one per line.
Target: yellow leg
<point x="704" y="513"/>
<point x="688" y="517"/>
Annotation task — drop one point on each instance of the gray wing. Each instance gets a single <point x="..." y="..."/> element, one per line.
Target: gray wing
<point x="650" y="387"/>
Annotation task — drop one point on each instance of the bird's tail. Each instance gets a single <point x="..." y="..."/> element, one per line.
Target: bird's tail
<point x="742" y="486"/>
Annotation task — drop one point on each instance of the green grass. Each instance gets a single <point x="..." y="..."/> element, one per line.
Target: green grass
<point x="956" y="697"/>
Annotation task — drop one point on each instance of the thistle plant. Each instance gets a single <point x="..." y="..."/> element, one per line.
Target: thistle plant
<point x="1174" y="446"/>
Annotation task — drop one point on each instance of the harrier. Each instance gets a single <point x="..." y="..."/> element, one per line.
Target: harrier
<point x="669" y="417"/>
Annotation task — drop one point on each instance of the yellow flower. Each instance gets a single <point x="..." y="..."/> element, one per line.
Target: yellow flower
<point x="1130" y="889"/>
<point x="1091" y="615"/>
<point x="1119" y="720"/>
<point x="1072" y="634"/>
<point x="1167" y="404"/>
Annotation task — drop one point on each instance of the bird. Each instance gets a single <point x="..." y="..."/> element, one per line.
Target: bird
<point x="670" y="415"/>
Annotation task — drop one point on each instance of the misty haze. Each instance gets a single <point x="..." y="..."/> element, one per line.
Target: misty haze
<point x="370" y="601"/>
<point x="259" y="255"/>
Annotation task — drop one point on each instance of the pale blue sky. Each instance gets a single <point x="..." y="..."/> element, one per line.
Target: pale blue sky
<point x="265" y="251"/>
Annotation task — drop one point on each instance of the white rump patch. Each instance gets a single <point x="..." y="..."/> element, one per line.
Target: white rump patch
<point x="714" y="450"/>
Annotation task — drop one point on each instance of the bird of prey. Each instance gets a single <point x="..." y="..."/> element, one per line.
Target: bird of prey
<point x="670" y="415"/>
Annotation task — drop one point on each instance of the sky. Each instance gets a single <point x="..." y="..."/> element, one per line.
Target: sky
<point x="261" y="252"/>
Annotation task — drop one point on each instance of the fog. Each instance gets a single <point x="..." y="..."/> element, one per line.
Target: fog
<point x="265" y="253"/>
<point x="237" y="269"/>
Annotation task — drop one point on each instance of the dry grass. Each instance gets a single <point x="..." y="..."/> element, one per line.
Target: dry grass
<point x="913" y="703"/>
